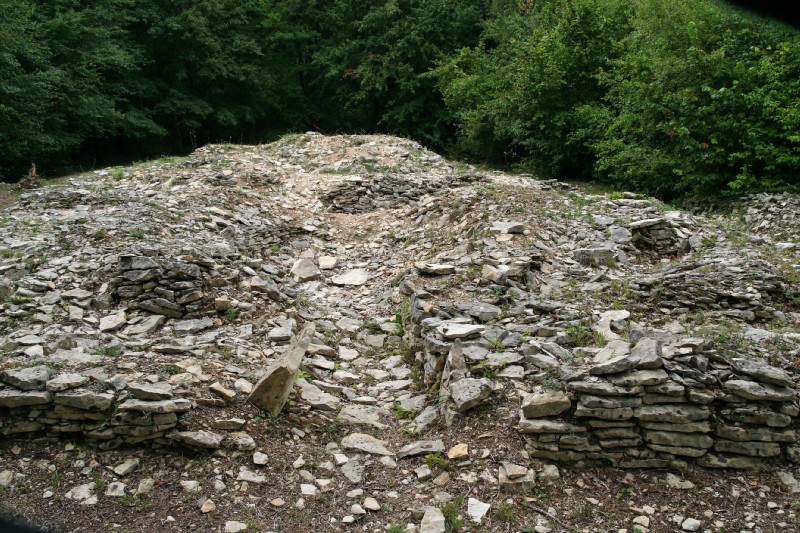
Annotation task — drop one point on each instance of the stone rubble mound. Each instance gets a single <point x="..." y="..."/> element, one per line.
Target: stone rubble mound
<point x="141" y="306"/>
<point x="738" y="287"/>
<point x="776" y="216"/>
<point x="363" y="194"/>
<point x="667" y="235"/>
<point x="659" y="405"/>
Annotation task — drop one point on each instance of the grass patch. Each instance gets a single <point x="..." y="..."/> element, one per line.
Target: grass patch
<point x="401" y="413"/>
<point x="450" y="510"/>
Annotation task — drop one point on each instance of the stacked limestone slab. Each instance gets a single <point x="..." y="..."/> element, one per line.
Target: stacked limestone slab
<point x="660" y="406"/>
<point x="173" y="288"/>
<point x="365" y="193"/>
<point x="38" y="399"/>
<point x="741" y="288"/>
<point x="662" y="235"/>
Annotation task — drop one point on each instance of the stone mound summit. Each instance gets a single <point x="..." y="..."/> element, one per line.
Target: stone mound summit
<point x="368" y="292"/>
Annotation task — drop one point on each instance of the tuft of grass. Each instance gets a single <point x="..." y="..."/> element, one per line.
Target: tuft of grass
<point x="450" y="510"/>
<point x="372" y="326"/>
<point x="135" y="501"/>
<point x="171" y="370"/>
<point x="506" y="512"/>
<point x="108" y="351"/>
<point x="401" y="413"/>
<point x="435" y="461"/>
<point x="625" y="493"/>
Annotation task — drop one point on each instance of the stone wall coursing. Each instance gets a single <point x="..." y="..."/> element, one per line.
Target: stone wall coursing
<point x="660" y="406"/>
<point x="174" y="288"/>
<point x="659" y="403"/>
<point x="742" y="288"/>
<point x="109" y="414"/>
<point x="362" y="194"/>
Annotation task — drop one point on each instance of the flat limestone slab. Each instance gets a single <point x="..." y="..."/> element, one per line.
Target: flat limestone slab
<point x="271" y="392"/>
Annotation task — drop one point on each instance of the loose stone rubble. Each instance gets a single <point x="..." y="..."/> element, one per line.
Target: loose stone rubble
<point x="377" y="312"/>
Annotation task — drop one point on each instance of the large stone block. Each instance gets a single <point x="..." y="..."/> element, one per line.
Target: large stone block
<point x="272" y="391"/>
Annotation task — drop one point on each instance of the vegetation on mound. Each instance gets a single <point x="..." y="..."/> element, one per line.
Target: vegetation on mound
<point x="670" y="98"/>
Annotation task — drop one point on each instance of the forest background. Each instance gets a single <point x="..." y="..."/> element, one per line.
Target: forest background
<point x="667" y="97"/>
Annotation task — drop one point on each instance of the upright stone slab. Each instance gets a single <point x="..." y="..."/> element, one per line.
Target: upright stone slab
<point x="271" y="392"/>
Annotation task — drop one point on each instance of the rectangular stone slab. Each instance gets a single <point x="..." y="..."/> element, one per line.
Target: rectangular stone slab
<point x="272" y="391"/>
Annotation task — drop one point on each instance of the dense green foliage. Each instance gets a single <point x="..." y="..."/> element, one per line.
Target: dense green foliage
<point x="665" y="96"/>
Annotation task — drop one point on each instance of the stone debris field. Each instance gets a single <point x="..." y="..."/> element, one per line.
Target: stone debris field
<point x="352" y="333"/>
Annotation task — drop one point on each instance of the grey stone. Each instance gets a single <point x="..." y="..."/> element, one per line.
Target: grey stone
<point x="85" y="399"/>
<point x="432" y="521"/>
<point x="755" y="434"/>
<point x="200" y="439"/>
<point x="609" y="402"/>
<point x="548" y="426"/>
<point x="639" y="378"/>
<point x="245" y="474"/>
<point x="621" y="363"/>
<point x="754" y="449"/>
<point x="545" y="404"/>
<point x="511" y="227"/>
<point x="452" y="331"/>
<point x="64" y="382"/>
<point x="241" y="441"/>
<point x="327" y="262"/>
<point x="648" y="351"/>
<point x="354" y="278"/>
<point x="433" y="269"/>
<point x="268" y="287"/>
<point x="145" y="326"/>
<point x="476" y="510"/>
<point x="483" y="311"/>
<point x="524" y="483"/>
<point x="353" y="470"/>
<point x="791" y="483"/>
<point x="683" y="451"/>
<point x="151" y="391"/>
<point x="604" y="388"/>
<point x="160" y="406"/>
<point x="422" y="447"/>
<point x="305" y="270"/>
<point x="757" y="415"/>
<point x="272" y="391"/>
<point x="316" y="397"/>
<point x="134" y="262"/>
<point x="613" y="349"/>
<point x="470" y="392"/>
<point x="128" y="466"/>
<point x="83" y="493"/>
<point x="676" y="414"/>
<point x="762" y="372"/>
<point x="280" y="334"/>
<point x="670" y="388"/>
<point x="192" y="326"/>
<point x="595" y="256"/>
<point x="752" y="390"/>
<point x="690" y="440"/>
<point x="362" y="414"/>
<point x="623" y="413"/>
<point x="33" y="378"/>
<point x="113" y="322"/>
<point x="14" y="398"/>
<point x="366" y="444"/>
<point x="711" y="460"/>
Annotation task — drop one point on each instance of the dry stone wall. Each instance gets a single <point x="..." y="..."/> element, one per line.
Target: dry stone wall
<point x="654" y="401"/>
<point x="38" y="399"/>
